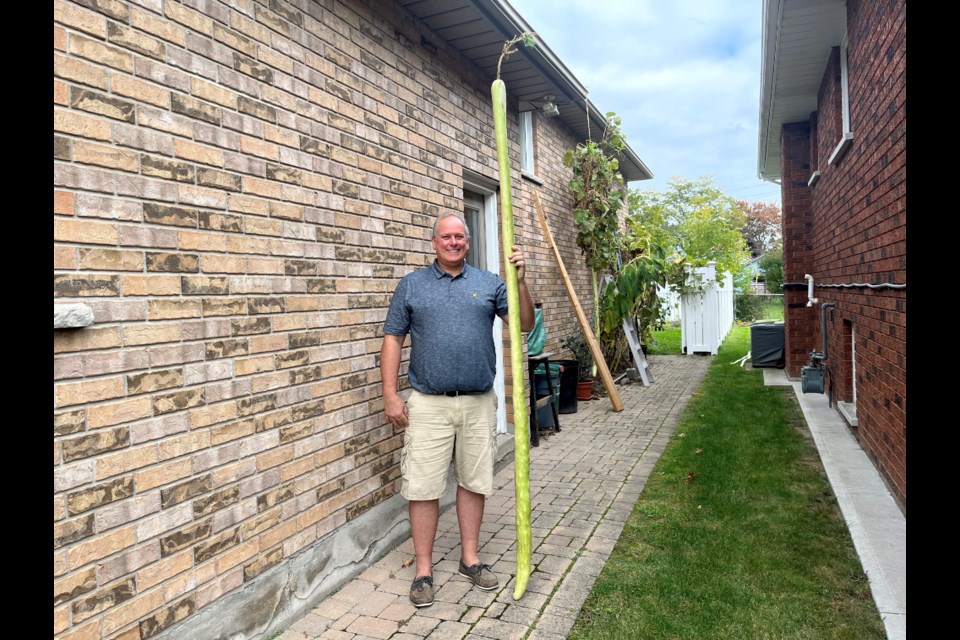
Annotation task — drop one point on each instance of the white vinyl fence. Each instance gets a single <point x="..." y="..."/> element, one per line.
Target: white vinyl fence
<point x="669" y="303"/>
<point x="706" y="314"/>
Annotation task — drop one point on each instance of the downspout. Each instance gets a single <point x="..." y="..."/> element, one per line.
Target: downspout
<point x="823" y="325"/>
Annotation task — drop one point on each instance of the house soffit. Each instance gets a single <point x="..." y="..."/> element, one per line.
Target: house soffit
<point x="797" y="38"/>
<point x="478" y="29"/>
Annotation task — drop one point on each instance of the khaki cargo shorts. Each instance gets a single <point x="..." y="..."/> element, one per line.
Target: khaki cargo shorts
<point x="442" y="428"/>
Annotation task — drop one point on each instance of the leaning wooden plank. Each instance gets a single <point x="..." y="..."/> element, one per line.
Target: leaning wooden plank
<point x="605" y="376"/>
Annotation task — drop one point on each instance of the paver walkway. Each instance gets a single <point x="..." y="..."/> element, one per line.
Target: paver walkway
<point x="584" y="482"/>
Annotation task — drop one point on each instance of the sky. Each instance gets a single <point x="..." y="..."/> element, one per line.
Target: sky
<point x="683" y="75"/>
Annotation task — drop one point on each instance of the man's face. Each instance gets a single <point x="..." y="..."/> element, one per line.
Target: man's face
<point x="450" y="243"/>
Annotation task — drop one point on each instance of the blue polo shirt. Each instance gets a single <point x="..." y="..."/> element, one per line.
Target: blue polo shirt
<point x="450" y="322"/>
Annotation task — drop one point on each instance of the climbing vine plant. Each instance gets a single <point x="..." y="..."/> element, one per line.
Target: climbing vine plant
<point x="598" y="190"/>
<point x="633" y="257"/>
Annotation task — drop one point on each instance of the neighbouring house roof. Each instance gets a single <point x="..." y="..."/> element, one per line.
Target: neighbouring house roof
<point x="797" y="38"/>
<point x="478" y="30"/>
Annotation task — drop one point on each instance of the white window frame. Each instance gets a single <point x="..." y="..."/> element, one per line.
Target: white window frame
<point x="527" y="164"/>
<point x="847" y="137"/>
<point x="853" y="359"/>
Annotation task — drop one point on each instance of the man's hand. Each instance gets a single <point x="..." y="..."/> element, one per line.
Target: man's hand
<point x="526" y="302"/>
<point x="516" y="259"/>
<point x="395" y="410"/>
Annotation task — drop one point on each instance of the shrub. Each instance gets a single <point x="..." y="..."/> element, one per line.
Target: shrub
<point x="747" y="308"/>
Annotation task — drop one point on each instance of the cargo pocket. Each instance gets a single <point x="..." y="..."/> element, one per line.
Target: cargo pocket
<point x="493" y="431"/>
<point x="403" y="452"/>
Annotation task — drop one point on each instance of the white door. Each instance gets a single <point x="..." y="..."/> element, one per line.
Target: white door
<point x="480" y="211"/>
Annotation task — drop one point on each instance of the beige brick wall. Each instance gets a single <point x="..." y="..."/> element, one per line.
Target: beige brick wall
<point x="238" y="186"/>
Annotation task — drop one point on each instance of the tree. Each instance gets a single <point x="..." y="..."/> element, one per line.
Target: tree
<point x="696" y="221"/>
<point x="762" y="229"/>
<point x="772" y="265"/>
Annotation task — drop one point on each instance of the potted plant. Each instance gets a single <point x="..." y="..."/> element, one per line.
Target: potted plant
<point x="581" y="353"/>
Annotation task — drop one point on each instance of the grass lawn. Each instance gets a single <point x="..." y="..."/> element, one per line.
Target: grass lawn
<point x="737" y="534"/>
<point x="666" y="342"/>
<point x="773" y="310"/>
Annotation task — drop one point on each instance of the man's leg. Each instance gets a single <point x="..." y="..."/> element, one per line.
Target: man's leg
<point x="424" y="516"/>
<point x="475" y="462"/>
<point x="469" y="517"/>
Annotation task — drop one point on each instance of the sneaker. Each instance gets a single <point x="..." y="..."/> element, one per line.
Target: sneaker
<point x="421" y="591"/>
<point x="481" y="575"/>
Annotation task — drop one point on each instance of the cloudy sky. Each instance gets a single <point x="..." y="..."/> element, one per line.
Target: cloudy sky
<point x="683" y="75"/>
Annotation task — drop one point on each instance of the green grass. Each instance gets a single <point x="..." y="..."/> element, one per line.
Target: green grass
<point x="773" y="310"/>
<point x="665" y="343"/>
<point x="737" y="534"/>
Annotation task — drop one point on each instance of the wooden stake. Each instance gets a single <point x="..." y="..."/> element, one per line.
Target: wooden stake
<point x="605" y="376"/>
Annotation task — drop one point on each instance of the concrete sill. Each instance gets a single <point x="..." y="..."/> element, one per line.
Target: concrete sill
<point x="532" y="178"/>
<point x="841" y="149"/>
<point x="849" y="412"/>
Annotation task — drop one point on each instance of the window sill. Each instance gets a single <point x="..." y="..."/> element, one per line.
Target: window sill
<point x="531" y="178"/>
<point x="849" y="412"/>
<point x="841" y="148"/>
<point x="813" y="179"/>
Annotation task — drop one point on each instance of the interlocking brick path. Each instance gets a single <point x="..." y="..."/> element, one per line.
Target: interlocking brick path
<point x="584" y="482"/>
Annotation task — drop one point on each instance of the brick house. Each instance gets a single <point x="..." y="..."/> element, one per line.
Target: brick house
<point x="833" y="134"/>
<point x="238" y="187"/>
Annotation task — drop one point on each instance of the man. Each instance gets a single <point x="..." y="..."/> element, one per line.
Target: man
<point x="449" y="309"/>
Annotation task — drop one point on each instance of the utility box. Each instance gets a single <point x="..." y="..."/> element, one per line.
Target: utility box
<point x="767" y="345"/>
<point x="811" y="380"/>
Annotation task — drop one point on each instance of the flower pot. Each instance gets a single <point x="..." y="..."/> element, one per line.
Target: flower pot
<point x="584" y="389"/>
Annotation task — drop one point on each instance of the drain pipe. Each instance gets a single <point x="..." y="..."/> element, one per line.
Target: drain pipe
<point x="823" y="325"/>
<point x="810" y="299"/>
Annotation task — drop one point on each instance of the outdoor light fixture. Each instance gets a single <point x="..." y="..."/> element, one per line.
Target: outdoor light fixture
<point x="549" y="108"/>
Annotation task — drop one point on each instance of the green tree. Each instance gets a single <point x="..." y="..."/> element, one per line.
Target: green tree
<point x="697" y="222"/>
<point x="772" y="265"/>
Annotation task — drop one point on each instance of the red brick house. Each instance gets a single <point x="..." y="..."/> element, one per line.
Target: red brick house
<point x="238" y="187"/>
<point x="833" y="134"/>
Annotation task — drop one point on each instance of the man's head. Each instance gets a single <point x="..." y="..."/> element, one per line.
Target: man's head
<point x="451" y="214"/>
<point x="451" y="241"/>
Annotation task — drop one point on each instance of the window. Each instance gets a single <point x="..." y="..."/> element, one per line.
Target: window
<point x="846" y="136"/>
<point x="847" y="402"/>
<point x="526" y="143"/>
<point x="814" y="151"/>
<point x="473" y="212"/>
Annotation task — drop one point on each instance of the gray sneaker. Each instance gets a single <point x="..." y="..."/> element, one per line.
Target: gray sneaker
<point x="481" y="575"/>
<point x="421" y="591"/>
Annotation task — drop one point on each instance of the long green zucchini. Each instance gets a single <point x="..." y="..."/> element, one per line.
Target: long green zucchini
<point x="521" y="431"/>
